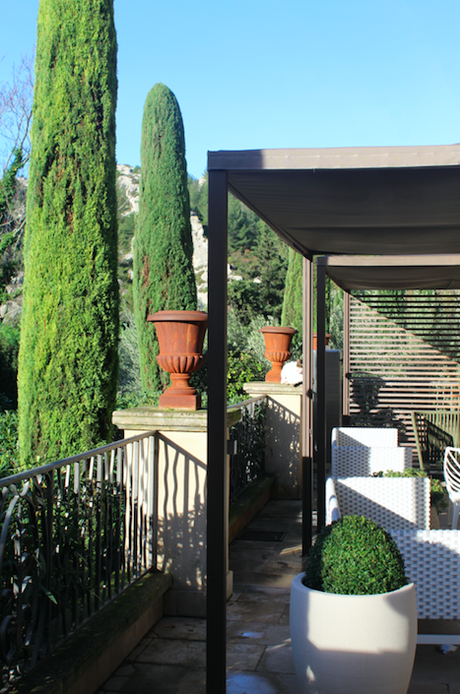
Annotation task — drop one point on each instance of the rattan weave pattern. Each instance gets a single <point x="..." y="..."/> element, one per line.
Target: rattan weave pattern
<point x="393" y="502"/>
<point x="364" y="436"/>
<point x="359" y="461"/>
<point x="432" y="560"/>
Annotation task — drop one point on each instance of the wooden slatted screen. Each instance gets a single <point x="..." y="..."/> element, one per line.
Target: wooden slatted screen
<point x="404" y="356"/>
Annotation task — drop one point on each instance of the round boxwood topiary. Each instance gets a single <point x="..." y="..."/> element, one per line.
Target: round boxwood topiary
<point x="355" y="556"/>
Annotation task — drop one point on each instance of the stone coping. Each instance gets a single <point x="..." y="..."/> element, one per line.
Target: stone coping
<point x="149" y="418"/>
<point x="263" y="388"/>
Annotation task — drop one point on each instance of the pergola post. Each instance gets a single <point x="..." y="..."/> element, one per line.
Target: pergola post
<point x="307" y="409"/>
<point x="321" y="393"/>
<point x="217" y="542"/>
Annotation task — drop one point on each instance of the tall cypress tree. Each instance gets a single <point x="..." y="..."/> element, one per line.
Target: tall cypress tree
<point x="69" y="335"/>
<point x="293" y="294"/>
<point x="293" y="303"/>
<point x="163" y="276"/>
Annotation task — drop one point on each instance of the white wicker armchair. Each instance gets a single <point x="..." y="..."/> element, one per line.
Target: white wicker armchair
<point x="400" y="503"/>
<point x="361" y="451"/>
<point x="432" y="561"/>
<point x="364" y="436"/>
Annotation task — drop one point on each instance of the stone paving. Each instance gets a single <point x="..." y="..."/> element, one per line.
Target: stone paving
<point x="171" y="658"/>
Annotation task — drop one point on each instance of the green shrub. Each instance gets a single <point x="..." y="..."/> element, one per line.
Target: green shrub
<point x="241" y="368"/>
<point x="437" y="492"/>
<point x="9" y="348"/>
<point x="9" y="459"/>
<point x="354" y="556"/>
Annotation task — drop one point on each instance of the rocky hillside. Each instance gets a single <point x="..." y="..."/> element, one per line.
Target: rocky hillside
<point x="128" y="186"/>
<point x="128" y="206"/>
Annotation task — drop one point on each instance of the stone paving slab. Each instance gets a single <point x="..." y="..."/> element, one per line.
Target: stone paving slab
<point x="246" y="612"/>
<point x="252" y="578"/>
<point x="261" y="683"/>
<point x="244" y="656"/>
<point x="185" y="628"/>
<point x="428" y="688"/>
<point x="264" y="594"/>
<point x="162" y="679"/>
<point x="258" y="632"/>
<point x="431" y="667"/>
<point x="174" y="652"/>
<point x="277" y="658"/>
<point x="194" y="682"/>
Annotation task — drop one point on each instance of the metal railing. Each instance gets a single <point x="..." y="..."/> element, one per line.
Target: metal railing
<point x="247" y="445"/>
<point x="73" y="535"/>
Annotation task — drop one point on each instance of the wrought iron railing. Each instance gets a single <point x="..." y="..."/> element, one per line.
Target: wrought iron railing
<point x="247" y="445"/>
<point x="73" y="535"/>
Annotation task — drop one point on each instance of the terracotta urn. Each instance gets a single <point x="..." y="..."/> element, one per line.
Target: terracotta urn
<point x="315" y="339"/>
<point x="180" y="336"/>
<point x="277" y="345"/>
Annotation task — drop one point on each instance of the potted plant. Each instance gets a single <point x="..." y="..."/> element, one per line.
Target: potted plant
<point x="353" y="616"/>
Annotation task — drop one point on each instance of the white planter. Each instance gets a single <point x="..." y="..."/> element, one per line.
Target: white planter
<point x="353" y="644"/>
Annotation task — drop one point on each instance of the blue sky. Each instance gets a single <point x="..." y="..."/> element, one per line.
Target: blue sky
<point x="252" y="74"/>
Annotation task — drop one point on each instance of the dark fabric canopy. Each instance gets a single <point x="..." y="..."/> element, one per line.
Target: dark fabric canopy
<point x="393" y="272"/>
<point x="370" y="201"/>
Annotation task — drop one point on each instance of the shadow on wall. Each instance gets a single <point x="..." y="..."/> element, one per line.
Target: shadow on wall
<point x="282" y="456"/>
<point x="181" y="524"/>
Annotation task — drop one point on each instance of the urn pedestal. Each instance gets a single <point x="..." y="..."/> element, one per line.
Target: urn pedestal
<point x="181" y="337"/>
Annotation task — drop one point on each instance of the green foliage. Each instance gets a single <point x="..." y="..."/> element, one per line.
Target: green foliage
<point x="68" y="358"/>
<point x="9" y="458"/>
<point x="198" y="192"/>
<point x="243" y="299"/>
<point x="335" y="316"/>
<point x="242" y="338"/>
<point x="438" y="497"/>
<point x="245" y="360"/>
<point x="241" y="368"/>
<point x="354" y="556"/>
<point x="292" y="311"/>
<point x="163" y="276"/>
<point x="262" y="292"/>
<point x="9" y="348"/>
<point x="129" y="376"/>
<point x="293" y="295"/>
<point x="245" y="357"/>
<point x="244" y="227"/>
<point x="126" y="225"/>
<point x="8" y="261"/>
<point x="8" y="183"/>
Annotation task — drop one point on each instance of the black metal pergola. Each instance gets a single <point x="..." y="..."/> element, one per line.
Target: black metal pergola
<point x="399" y="202"/>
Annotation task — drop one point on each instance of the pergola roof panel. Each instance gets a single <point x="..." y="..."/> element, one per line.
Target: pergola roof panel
<point x="395" y="200"/>
<point x="393" y="272"/>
